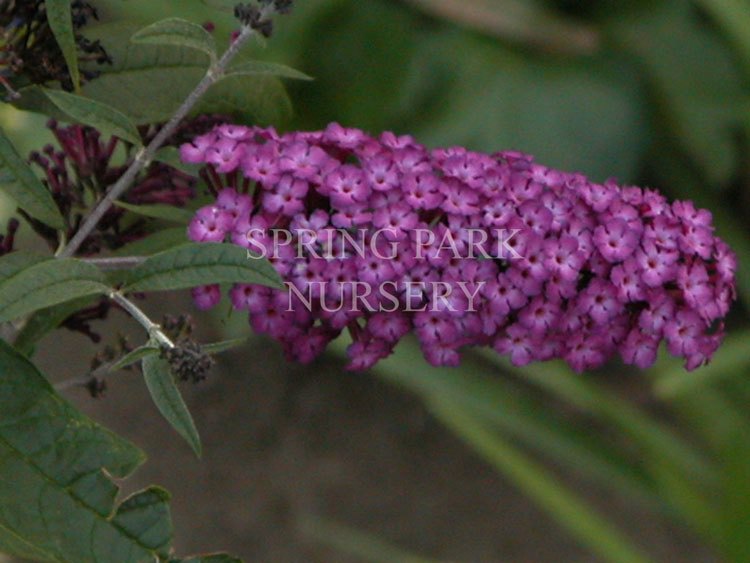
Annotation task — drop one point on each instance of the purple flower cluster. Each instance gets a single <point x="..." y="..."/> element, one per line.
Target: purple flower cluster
<point x="604" y="269"/>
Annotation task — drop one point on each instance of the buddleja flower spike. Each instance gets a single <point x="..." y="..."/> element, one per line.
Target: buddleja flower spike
<point x="584" y="270"/>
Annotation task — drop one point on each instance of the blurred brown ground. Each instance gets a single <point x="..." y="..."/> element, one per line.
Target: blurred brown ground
<point x="284" y="442"/>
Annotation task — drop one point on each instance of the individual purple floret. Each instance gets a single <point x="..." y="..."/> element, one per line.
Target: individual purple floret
<point x="383" y="237"/>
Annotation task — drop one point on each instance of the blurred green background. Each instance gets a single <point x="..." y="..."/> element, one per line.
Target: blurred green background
<point x="616" y="465"/>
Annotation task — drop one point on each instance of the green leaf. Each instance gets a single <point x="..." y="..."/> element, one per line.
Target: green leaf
<point x="687" y="499"/>
<point x="509" y="408"/>
<point x="168" y="400"/>
<point x="729" y="360"/>
<point x="44" y="284"/>
<point x="373" y="66"/>
<point x="55" y="465"/>
<point x="461" y="81"/>
<point x="734" y="17"/>
<point x="219" y="347"/>
<point x="532" y="24"/>
<point x="156" y="242"/>
<point x="197" y="264"/>
<point x="647" y="432"/>
<point x="171" y="157"/>
<point x="735" y="504"/>
<point x="134" y="356"/>
<point x="254" y="99"/>
<point x="725" y="406"/>
<point x="12" y="544"/>
<point x="34" y="98"/>
<point x="451" y="87"/>
<point x="212" y="558"/>
<point x="164" y="212"/>
<point x="101" y="116"/>
<point x="146" y="12"/>
<point x="359" y="545"/>
<point x="60" y="21"/>
<point x="15" y="262"/>
<point x="179" y="33"/>
<point x="146" y="350"/>
<point x="263" y="68"/>
<point x="22" y="185"/>
<point x="145" y="515"/>
<point x="45" y="321"/>
<point x="680" y="55"/>
<point x="135" y="83"/>
<point x="220" y="5"/>
<point x="590" y="528"/>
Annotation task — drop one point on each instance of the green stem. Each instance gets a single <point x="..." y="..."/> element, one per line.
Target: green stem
<point x="154" y="330"/>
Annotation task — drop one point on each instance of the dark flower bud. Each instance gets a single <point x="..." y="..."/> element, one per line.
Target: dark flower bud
<point x="81" y="322"/>
<point x="283" y="6"/>
<point x="81" y="157"/>
<point x="31" y="49"/>
<point x="188" y="361"/>
<point x="265" y="28"/>
<point x="178" y="327"/>
<point x="247" y="14"/>
<point x="7" y="240"/>
<point x="97" y="387"/>
<point x="257" y="18"/>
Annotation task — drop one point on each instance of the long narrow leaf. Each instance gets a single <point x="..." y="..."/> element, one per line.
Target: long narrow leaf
<point x="45" y="284"/>
<point x="504" y="406"/>
<point x="171" y="157"/>
<point x="358" y="544"/>
<point x="61" y="22"/>
<point x="177" y="32"/>
<point x="156" y="242"/>
<point x="730" y="359"/>
<point x="646" y="431"/>
<point x="168" y="400"/>
<point x="735" y="503"/>
<point x="163" y="212"/>
<point x="101" y="116"/>
<point x="194" y="264"/>
<point x="135" y="356"/>
<point x="570" y="512"/>
<point x="263" y="68"/>
<point x="45" y="321"/>
<point x="211" y="558"/>
<point x="223" y="346"/>
<point x="734" y="17"/>
<point x="24" y="187"/>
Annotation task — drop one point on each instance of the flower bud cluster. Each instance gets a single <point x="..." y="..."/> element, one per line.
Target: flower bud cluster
<point x="259" y="17"/>
<point x="82" y="164"/>
<point x="29" y="50"/>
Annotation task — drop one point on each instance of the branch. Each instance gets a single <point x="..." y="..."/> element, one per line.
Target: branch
<point x="146" y="154"/>
<point x="154" y="330"/>
<point x="85" y="380"/>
